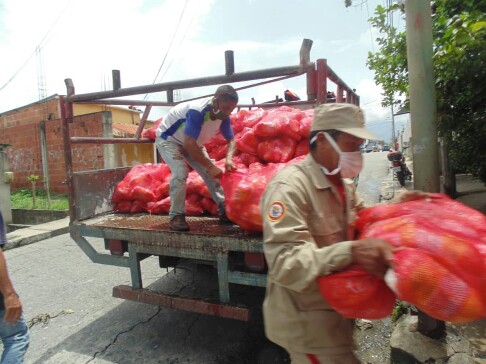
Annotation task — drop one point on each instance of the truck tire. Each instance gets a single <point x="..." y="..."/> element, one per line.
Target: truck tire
<point x="401" y="178"/>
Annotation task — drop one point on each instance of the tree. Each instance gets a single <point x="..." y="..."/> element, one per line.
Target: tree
<point x="459" y="29"/>
<point x="33" y="178"/>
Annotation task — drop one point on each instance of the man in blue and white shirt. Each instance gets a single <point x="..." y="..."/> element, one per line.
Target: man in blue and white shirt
<point x="181" y="137"/>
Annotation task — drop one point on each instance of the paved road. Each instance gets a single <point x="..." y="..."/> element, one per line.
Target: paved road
<point x="87" y="325"/>
<point x="376" y="182"/>
<point x="76" y="319"/>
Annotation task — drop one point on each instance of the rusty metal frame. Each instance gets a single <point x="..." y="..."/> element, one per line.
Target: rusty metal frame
<point x="143" y="243"/>
<point x="181" y="303"/>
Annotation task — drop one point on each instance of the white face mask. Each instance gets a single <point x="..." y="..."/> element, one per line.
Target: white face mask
<point x="350" y="163"/>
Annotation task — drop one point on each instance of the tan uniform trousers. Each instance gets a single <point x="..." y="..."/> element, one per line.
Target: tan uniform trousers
<point x="348" y="358"/>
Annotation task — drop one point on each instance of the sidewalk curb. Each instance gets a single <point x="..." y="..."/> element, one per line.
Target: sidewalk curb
<point x="36" y="233"/>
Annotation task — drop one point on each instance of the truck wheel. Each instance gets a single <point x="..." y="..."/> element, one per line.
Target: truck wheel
<point x="401" y="178"/>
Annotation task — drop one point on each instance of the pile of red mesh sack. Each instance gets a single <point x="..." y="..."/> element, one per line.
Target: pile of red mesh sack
<point x="440" y="266"/>
<point x="266" y="140"/>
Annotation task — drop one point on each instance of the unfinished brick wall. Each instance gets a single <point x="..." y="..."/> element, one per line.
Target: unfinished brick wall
<point x="85" y="156"/>
<point x="22" y="129"/>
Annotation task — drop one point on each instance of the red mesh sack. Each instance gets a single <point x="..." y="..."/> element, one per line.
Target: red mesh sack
<point x="277" y="122"/>
<point x="248" y="159"/>
<point x="250" y="118"/>
<point x="279" y="150"/>
<point x="121" y="192"/>
<point x="243" y="192"/>
<point x="354" y="293"/>
<point x="196" y="185"/>
<point x="138" y="206"/>
<point x="442" y="269"/>
<point x="159" y="207"/>
<point x="434" y="289"/>
<point x="452" y="215"/>
<point x="162" y="191"/>
<point x="219" y="152"/>
<point x="456" y="253"/>
<point x="141" y="183"/>
<point x="302" y="148"/>
<point x="305" y="126"/>
<point x="192" y="205"/>
<point x="123" y="206"/>
<point x="209" y="205"/>
<point x="215" y="143"/>
<point x="247" y="142"/>
<point x="236" y="121"/>
<point x="150" y="133"/>
<point x="139" y="193"/>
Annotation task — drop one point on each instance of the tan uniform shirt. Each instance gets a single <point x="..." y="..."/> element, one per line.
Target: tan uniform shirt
<point x="307" y="231"/>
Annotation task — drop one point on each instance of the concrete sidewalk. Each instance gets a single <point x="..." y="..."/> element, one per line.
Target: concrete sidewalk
<point x="35" y="233"/>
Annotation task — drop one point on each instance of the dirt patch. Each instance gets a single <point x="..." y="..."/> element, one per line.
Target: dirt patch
<point x="373" y="341"/>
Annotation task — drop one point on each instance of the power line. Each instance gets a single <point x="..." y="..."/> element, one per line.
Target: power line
<point x="42" y="43"/>
<point x="371" y="102"/>
<point x="371" y="29"/>
<point x="171" y="41"/>
<point x="182" y="40"/>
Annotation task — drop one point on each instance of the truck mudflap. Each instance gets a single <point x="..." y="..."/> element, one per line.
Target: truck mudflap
<point x="181" y="303"/>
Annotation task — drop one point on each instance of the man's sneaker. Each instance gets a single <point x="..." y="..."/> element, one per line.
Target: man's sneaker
<point x="178" y="223"/>
<point x="223" y="219"/>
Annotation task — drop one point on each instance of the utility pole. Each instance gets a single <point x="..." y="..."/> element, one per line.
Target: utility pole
<point x="423" y="117"/>
<point x="43" y="111"/>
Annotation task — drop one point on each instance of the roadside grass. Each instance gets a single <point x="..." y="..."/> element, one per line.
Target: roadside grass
<point x="22" y="199"/>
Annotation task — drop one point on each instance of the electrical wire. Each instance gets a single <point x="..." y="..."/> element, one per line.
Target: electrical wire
<point x="183" y="38"/>
<point x="360" y="4"/>
<point x="42" y="43"/>
<point x="371" y="29"/>
<point x="171" y="41"/>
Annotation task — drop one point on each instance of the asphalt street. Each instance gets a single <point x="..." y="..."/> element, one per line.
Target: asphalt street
<point x="68" y="301"/>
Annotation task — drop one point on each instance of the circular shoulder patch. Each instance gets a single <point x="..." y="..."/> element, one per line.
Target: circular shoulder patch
<point x="276" y="211"/>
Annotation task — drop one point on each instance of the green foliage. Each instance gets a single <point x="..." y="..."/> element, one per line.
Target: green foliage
<point x="459" y="29"/>
<point x="399" y="310"/>
<point x="22" y="199"/>
<point x="33" y="178"/>
<point x="390" y="63"/>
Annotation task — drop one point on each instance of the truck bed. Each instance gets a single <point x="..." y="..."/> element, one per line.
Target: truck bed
<point x="200" y="225"/>
<point x="144" y="228"/>
<point x="236" y="255"/>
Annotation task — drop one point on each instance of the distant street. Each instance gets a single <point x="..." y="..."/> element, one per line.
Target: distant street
<point x="374" y="174"/>
<point x="76" y="319"/>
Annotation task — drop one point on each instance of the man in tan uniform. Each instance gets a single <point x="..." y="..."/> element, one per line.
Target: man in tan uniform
<point x="308" y="211"/>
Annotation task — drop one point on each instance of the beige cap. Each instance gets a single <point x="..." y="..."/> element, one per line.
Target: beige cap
<point x="347" y="118"/>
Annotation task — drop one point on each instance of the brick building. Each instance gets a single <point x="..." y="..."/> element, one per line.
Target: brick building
<point x="35" y="134"/>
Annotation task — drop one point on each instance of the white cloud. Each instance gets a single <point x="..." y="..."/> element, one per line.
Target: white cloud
<point x="90" y="39"/>
<point x="93" y="37"/>
<point x="368" y="38"/>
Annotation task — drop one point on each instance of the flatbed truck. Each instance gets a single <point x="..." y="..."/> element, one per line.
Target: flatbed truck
<point x="236" y="255"/>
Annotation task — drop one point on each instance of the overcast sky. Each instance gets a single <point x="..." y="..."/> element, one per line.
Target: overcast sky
<point x="86" y="40"/>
